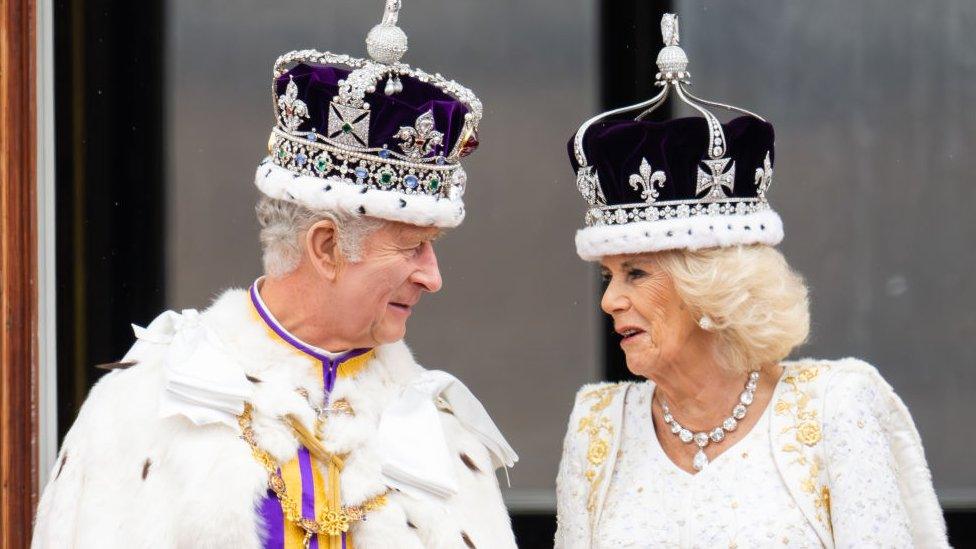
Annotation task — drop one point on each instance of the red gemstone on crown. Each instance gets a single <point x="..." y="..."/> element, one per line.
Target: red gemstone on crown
<point x="469" y="145"/>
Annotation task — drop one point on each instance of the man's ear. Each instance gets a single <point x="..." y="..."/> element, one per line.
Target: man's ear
<point x="322" y="249"/>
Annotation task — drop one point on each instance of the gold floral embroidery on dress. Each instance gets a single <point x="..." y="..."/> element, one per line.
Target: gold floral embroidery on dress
<point x="807" y="431"/>
<point x="599" y="431"/>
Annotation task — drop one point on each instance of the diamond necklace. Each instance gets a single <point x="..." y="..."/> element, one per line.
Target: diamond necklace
<point x="717" y="434"/>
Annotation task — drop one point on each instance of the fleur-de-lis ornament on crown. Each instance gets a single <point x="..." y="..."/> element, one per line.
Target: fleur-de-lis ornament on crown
<point x="422" y="139"/>
<point x="764" y="177"/>
<point x="588" y="185"/>
<point x="646" y="180"/>
<point x="293" y="110"/>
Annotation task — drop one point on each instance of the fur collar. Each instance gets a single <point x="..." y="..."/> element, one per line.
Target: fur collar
<point x="130" y="475"/>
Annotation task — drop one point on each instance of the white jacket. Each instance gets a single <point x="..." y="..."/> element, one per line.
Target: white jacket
<point x="837" y="430"/>
<point x="155" y="457"/>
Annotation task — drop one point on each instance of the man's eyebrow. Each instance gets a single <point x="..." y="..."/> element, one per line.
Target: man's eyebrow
<point x="409" y="238"/>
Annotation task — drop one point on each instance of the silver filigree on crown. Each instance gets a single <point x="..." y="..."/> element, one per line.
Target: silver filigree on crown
<point x="348" y="125"/>
<point x="386" y="42"/>
<point x="672" y="60"/>
<point x="764" y="177"/>
<point x="716" y="173"/>
<point x="646" y="180"/>
<point x="717" y="180"/>
<point x="343" y="150"/>
<point x="589" y="186"/>
<point x="422" y="139"/>
<point x="293" y="110"/>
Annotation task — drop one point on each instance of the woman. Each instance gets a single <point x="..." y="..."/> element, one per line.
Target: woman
<point x="725" y="444"/>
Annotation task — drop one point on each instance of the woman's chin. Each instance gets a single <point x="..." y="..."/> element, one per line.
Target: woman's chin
<point x="640" y="360"/>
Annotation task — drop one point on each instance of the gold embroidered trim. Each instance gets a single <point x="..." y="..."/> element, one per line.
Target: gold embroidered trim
<point x="807" y="432"/>
<point x="335" y="519"/>
<point x="599" y="431"/>
<point x="341" y="406"/>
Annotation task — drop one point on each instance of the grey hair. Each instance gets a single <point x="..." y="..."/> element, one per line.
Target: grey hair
<point x="283" y="227"/>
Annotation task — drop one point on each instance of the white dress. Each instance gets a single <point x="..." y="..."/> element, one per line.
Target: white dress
<point x="738" y="500"/>
<point x="834" y="461"/>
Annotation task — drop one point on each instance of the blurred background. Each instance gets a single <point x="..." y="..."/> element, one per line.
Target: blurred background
<point x="162" y="112"/>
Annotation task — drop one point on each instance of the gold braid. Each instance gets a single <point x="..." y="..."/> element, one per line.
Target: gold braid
<point x="336" y="518"/>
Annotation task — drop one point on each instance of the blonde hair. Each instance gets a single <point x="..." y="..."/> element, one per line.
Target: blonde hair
<point x="758" y="305"/>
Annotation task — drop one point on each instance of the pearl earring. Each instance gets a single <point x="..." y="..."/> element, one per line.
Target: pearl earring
<point x="705" y="323"/>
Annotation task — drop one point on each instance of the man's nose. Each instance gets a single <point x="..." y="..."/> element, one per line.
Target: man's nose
<point x="428" y="274"/>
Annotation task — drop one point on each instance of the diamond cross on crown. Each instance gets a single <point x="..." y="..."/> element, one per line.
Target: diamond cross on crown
<point x="716" y="181"/>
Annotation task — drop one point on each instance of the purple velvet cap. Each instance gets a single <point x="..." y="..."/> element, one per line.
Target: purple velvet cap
<point x="616" y="148"/>
<point x="318" y="85"/>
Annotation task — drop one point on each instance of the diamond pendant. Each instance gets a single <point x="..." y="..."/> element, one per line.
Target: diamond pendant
<point x="718" y="434"/>
<point x="700" y="461"/>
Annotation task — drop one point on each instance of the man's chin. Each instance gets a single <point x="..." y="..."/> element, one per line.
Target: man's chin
<point x="390" y="334"/>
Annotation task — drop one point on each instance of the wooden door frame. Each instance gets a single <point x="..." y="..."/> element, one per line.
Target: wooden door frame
<point x="18" y="273"/>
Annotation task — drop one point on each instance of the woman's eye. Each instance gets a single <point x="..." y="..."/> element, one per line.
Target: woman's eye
<point x="605" y="277"/>
<point x="636" y="273"/>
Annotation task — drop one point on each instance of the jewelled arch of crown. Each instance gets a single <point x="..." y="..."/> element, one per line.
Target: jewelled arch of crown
<point x="716" y="172"/>
<point x="342" y="149"/>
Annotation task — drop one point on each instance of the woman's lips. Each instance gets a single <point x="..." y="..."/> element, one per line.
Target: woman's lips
<point x="629" y="334"/>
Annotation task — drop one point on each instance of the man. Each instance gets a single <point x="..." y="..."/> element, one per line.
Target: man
<point x="292" y="414"/>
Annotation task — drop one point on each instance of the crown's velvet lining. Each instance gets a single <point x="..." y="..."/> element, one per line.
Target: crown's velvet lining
<point x="676" y="147"/>
<point x="318" y="85"/>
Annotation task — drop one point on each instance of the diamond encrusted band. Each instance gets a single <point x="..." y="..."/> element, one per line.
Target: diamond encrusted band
<point x="378" y="168"/>
<point x="674" y="209"/>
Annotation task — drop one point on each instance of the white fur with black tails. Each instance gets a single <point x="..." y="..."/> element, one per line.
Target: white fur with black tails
<point x="127" y="478"/>
<point x="691" y="233"/>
